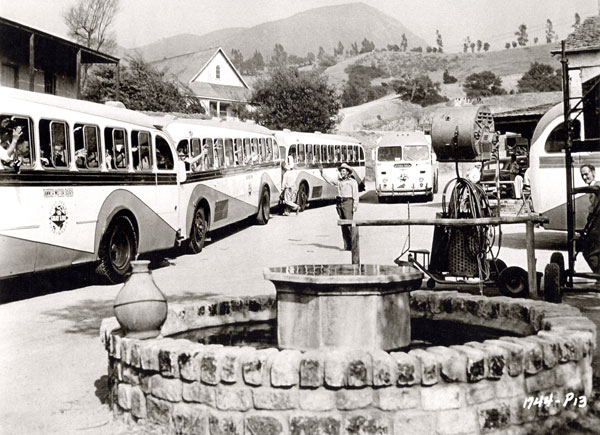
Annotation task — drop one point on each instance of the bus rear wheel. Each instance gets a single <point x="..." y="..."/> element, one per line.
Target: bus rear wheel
<point x="302" y="199"/>
<point x="264" y="208"/>
<point x="198" y="233"/>
<point x="117" y="249"/>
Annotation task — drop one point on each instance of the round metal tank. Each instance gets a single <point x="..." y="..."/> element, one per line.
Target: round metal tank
<point x="457" y="133"/>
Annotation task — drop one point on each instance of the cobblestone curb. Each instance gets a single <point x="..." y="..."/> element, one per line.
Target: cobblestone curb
<point x="478" y="387"/>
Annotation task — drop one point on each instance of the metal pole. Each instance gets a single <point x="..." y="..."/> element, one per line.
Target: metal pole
<point x="355" y="244"/>
<point x="568" y="164"/>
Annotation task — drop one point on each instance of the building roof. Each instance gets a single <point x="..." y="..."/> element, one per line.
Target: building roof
<point x="525" y="111"/>
<point x="186" y="67"/>
<point x="220" y="92"/>
<point x="585" y="38"/>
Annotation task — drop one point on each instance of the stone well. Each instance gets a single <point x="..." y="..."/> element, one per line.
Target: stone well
<point x="478" y="387"/>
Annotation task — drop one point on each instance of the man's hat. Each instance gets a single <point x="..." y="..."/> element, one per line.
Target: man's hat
<point x="6" y="124"/>
<point x="346" y="167"/>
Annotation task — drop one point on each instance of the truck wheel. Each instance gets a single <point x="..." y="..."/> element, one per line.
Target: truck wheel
<point x="117" y="249"/>
<point x="513" y="282"/>
<point x="264" y="208"/>
<point x="198" y="232"/>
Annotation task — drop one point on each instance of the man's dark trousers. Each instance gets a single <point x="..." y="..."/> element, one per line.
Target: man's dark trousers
<point x="345" y="209"/>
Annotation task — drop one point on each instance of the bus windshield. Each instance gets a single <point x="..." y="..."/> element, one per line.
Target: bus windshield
<point x="389" y="154"/>
<point x="416" y="152"/>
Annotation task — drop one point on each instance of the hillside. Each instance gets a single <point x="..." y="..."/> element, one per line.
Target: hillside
<point x="299" y="34"/>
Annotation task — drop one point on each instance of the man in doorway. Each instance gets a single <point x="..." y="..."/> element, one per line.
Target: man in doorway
<point x="346" y="199"/>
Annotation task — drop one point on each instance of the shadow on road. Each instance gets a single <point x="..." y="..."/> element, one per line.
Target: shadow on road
<point x="86" y="315"/>
<point x="320" y="245"/>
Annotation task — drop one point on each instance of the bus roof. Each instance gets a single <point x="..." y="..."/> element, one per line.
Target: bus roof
<point x="290" y="137"/>
<point x="165" y="121"/>
<point x="396" y="138"/>
<point x="82" y="106"/>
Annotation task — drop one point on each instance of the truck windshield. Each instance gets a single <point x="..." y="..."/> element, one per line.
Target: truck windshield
<point x="416" y="152"/>
<point x="389" y="154"/>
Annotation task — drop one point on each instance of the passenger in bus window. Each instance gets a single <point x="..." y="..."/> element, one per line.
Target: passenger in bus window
<point x="58" y="158"/>
<point x="252" y="158"/>
<point x="269" y="154"/>
<point x="10" y="133"/>
<point x="120" y="160"/>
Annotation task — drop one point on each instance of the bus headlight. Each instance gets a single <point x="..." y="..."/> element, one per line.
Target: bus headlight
<point x="385" y="180"/>
<point x="421" y="179"/>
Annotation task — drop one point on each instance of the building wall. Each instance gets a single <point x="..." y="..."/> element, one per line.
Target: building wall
<point x="228" y="76"/>
<point x="65" y="85"/>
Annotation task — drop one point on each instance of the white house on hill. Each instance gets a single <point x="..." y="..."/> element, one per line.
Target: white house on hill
<point x="212" y="79"/>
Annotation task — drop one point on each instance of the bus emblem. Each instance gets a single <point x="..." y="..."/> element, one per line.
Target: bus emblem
<point x="58" y="218"/>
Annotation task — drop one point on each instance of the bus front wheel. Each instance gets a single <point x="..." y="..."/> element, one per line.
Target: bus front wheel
<point x="302" y="199"/>
<point x="117" y="250"/>
<point x="198" y="233"/>
<point x="264" y="208"/>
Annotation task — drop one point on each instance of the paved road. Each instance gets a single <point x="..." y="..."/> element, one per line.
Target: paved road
<point x="53" y="364"/>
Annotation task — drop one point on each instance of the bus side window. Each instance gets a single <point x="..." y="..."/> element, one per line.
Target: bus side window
<point x="219" y="153"/>
<point x="54" y="144"/>
<point x="24" y="145"/>
<point x="229" y="161"/>
<point x="309" y="155"/>
<point x="317" y="154"/>
<point x="556" y="139"/>
<point x="183" y="149"/>
<point x="301" y="155"/>
<point x="140" y="147"/>
<point x="275" y="149"/>
<point x="361" y="154"/>
<point x="86" y="146"/>
<point x="247" y="151"/>
<point x="292" y="154"/>
<point x="254" y="156"/>
<point x="239" y="152"/>
<point x="209" y="158"/>
<point x="114" y="146"/>
<point x="164" y="155"/>
<point x="344" y="153"/>
<point x="281" y="152"/>
<point x="338" y="154"/>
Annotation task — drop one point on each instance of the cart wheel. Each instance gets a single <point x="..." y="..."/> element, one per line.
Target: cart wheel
<point x="552" y="290"/>
<point x="557" y="258"/>
<point x="513" y="282"/>
<point x="496" y="268"/>
<point x="430" y="283"/>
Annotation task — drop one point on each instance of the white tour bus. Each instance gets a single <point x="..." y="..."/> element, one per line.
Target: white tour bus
<point x="307" y="151"/>
<point x="233" y="172"/>
<point x="405" y="165"/>
<point x="547" y="174"/>
<point x="91" y="182"/>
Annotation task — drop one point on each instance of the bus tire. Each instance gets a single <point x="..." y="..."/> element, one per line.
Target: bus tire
<point x="302" y="198"/>
<point x="557" y="258"/>
<point x="552" y="289"/>
<point x="117" y="249"/>
<point x="264" y="208"/>
<point x="381" y="199"/>
<point x="513" y="282"/>
<point x="198" y="231"/>
<point x="429" y="197"/>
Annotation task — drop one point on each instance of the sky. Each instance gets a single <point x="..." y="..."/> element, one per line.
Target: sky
<point x="141" y="22"/>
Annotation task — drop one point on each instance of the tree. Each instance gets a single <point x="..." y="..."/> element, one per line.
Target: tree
<point x="438" y="40"/>
<point x="310" y="57"/>
<point x="419" y="90"/>
<point x="483" y="84"/>
<point x="486" y="46"/>
<point x="237" y="58"/>
<point x="339" y="51"/>
<point x="577" y="23"/>
<point x="472" y="47"/>
<point x="367" y="46"/>
<point x="514" y="44"/>
<point x="404" y="43"/>
<point x="479" y="45"/>
<point x="535" y="40"/>
<point x="549" y="31"/>
<point x="521" y="35"/>
<point x="358" y="89"/>
<point x="300" y="101"/>
<point x="88" y="23"/>
<point x="321" y="53"/>
<point x="507" y="45"/>
<point x="466" y="44"/>
<point x="354" y="49"/>
<point x="448" y="78"/>
<point x="393" y="47"/>
<point x="279" y="57"/>
<point x="142" y="87"/>
<point x="541" y="77"/>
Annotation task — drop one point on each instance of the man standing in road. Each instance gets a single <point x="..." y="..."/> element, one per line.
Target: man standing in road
<point x="346" y="200"/>
<point x="591" y="242"/>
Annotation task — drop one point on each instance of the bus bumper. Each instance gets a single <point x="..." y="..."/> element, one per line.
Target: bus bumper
<point x="404" y="192"/>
